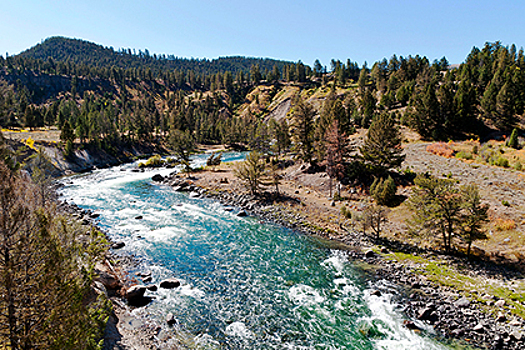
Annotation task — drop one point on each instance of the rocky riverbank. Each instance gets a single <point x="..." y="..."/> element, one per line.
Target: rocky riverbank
<point x="485" y="322"/>
<point x="124" y="330"/>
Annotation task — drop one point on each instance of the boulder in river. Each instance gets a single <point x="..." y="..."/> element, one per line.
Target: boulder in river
<point x="157" y="178"/>
<point x="170" y="319"/>
<point x="376" y="292"/>
<point x="94" y="215"/>
<point x="242" y="213"/>
<point x="118" y="245"/>
<point x="152" y="287"/>
<point x="170" y="283"/>
<point x="411" y="325"/>
<point x="135" y="292"/>
<point x="139" y="217"/>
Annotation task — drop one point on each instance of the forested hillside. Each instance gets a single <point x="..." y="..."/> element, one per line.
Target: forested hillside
<point x="102" y="96"/>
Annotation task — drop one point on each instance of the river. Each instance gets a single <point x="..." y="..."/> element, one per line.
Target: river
<point x="245" y="284"/>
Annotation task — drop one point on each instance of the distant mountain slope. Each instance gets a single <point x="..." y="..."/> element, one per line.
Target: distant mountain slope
<point x="79" y="51"/>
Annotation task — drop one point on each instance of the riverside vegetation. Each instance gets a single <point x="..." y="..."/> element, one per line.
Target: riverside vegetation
<point x="46" y="265"/>
<point x="102" y="99"/>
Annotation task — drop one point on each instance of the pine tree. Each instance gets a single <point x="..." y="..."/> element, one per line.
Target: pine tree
<point x="363" y="80"/>
<point x="382" y="150"/>
<point x="505" y="114"/>
<point x="183" y="145"/>
<point x="251" y="172"/>
<point x="367" y="107"/>
<point x="67" y="133"/>
<point x="425" y="118"/>
<point x="383" y="191"/>
<point x="513" y="139"/>
<point x="473" y="217"/>
<point x="303" y="128"/>
<point x="465" y="106"/>
<point x="436" y="204"/>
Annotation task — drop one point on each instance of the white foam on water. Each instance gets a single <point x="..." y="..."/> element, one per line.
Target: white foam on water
<point x="206" y="341"/>
<point x="390" y="323"/>
<point x="305" y="295"/>
<point x="239" y="329"/>
<point x="341" y="281"/>
<point x="190" y="291"/>
<point x="164" y="234"/>
<point x="336" y="262"/>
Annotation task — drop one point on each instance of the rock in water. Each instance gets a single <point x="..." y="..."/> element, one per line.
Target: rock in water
<point x="118" y="245"/>
<point x="411" y="325"/>
<point x="152" y="287"/>
<point x="135" y="292"/>
<point x="376" y="292"/>
<point x="170" y="319"/>
<point x="158" y="178"/>
<point x="242" y="213"/>
<point x="170" y="283"/>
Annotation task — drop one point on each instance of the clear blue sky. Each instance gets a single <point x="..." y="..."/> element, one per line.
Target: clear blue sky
<point x="291" y="30"/>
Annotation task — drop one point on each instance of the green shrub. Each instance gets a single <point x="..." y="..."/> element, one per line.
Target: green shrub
<point x="155" y="161"/>
<point x="513" y="139"/>
<point x="345" y="212"/>
<point x="172" y="161"/>
<point x="505" y="203"/>
<point x="68" y="150"/>
<point x="464" y="155"/>
<point x="518" y="166"/>
<point x="383" y="191"/>
<point x="500" y="161"/>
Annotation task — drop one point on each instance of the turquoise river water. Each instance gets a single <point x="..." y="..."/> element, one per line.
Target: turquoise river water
<point x="245" y="284"/>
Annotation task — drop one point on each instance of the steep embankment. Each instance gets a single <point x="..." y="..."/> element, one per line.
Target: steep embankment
<point x="85" y="157"/>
